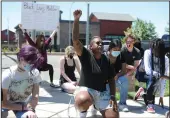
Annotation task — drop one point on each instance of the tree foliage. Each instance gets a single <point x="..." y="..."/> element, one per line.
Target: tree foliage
<point x="141" y="30"/>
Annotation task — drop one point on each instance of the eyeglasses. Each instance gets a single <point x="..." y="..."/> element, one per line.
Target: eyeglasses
<point x="129" y="42"/>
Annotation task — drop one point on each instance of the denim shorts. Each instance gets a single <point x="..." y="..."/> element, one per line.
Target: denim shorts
<point x="100" y="99"/>
<point x="18" y="114"/>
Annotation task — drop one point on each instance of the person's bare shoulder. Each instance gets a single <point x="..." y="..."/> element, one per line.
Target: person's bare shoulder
<point x="62" y="59"/>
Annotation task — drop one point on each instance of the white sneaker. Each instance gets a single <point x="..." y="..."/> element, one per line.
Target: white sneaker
<point x="123" y="108"/>
<point x="93" y="111"/>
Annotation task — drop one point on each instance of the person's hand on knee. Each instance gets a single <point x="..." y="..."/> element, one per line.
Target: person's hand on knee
<point x="74" y="83"/>
<point x="30" y="114"/>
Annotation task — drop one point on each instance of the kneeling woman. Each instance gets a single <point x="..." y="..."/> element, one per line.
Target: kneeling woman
<point x="19" y="82"/>
<point x="119" y="66"/>
<point x="68" y="64"/>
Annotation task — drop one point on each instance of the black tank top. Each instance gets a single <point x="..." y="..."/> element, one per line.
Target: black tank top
<point x="69" y="70"/>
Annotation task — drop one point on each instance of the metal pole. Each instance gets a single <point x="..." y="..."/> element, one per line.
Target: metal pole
<point x="18" y="41"/>
<point x="34" y="30"/>
<point x="69" y="27"/>
<point x="8" y="32"/>
<point x="87" y="26"/>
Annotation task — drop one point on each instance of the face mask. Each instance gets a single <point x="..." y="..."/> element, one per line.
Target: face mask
<point x="27" y="67"/>
<point x="71" y="56"/>
<point x="115" y="53"/>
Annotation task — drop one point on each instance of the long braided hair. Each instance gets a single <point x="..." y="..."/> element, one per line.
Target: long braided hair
<point x="158" y="47"/>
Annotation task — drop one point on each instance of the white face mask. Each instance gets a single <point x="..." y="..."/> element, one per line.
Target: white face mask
<point x="115" y="53"/>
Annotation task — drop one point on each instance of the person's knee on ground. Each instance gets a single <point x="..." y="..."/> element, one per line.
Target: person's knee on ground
<point x="71" y="91"/>
<point x="83" y="101"/>
<point x="68" y="87"/>
<point x="110" y="113"/>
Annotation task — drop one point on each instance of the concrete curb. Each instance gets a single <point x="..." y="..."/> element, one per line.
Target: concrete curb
<point x="52" y="53"/>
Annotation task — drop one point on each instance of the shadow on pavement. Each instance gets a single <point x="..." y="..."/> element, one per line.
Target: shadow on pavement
<point x="136" y="109"/>
<point x="96" y="116"/>
<point x="54" y="95"/>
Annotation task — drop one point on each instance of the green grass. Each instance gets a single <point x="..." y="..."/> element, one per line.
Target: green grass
<point x="132" y="93"/>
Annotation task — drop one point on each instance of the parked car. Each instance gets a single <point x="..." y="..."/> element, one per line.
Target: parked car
<point x="166" y="39"/>
<point x="106" y="45"/>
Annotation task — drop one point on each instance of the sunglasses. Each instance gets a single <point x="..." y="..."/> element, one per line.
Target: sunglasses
<point x="99" y="42"/>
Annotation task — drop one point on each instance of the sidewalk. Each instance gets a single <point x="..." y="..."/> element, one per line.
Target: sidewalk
<point x="54" y="104"/>
<point x="49" y="53"/>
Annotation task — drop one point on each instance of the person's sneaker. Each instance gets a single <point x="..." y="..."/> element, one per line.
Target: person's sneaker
<point x="54" y="86"/>
<point x="138" y="93"/>
<point x="123" y="108"/>
<point x="150" y="109"/>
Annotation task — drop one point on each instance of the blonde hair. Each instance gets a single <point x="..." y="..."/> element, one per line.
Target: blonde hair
<point x="69" y="49"/>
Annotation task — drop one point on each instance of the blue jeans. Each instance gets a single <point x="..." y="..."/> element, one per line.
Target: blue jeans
<point x="18" y="114"/>
<point x="122" y="84"/>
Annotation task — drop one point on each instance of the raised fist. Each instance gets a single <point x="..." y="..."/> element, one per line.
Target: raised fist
<point x="77" y="14"/>
<point x="20" y="26"/>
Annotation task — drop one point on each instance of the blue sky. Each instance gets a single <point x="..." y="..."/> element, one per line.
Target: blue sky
<point x="155" y="12"/>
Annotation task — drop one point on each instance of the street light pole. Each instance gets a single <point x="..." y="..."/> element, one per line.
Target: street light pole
<point x="8" y="32"/>
<point x="87" y="26"/>
<point x="69" y="37"/>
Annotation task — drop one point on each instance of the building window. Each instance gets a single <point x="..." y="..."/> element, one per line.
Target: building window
<point x="37" y="33"/>
<point x="82" y="38"/>
<point x="112" y="37"/>
<point x="30" y="34"/>
<point x="47" y="33"/>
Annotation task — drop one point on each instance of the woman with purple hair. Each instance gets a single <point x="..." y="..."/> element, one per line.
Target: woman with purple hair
<point x="19" y="82"/>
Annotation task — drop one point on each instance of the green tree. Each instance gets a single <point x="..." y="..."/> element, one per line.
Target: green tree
<point x="141" y="30"/>
<point x="144" y="30"/>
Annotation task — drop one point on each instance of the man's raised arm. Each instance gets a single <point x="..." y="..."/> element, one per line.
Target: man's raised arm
<point x="75" y="37"/>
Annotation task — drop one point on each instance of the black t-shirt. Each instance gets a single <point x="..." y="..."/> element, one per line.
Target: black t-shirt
<point x="130" y="57"/>
<point x="94" y="73"/>
<point x="117" y="66"/>
<point x="141" y="52"/>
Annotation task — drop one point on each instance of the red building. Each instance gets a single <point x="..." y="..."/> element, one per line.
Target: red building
<point x="4" y="39"/>
<point x="4" y="36"/>
<point x="112" y="25"/>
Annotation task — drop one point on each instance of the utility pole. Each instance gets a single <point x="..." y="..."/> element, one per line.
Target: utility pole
<point x="69" y="37"/>
<point x="87" y="26"/>
<point x="8" y="32"/>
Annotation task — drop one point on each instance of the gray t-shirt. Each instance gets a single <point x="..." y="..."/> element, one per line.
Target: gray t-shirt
<point x="19" y="84"/>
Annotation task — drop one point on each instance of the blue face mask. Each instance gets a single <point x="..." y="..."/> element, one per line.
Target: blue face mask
<point x="27" y="67"/>
<point x="115" y="53"/>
